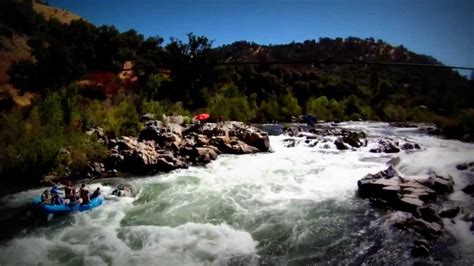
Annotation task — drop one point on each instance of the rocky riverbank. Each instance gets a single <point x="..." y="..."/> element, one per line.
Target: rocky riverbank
<point x="163" y="147"/>
<point x="423" y="200"/>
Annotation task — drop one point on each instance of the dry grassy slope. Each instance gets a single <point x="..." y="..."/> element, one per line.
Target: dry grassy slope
<point x="16" y="49"/>
<point x="62" y="15"/>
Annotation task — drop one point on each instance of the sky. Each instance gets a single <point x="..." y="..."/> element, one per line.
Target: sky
<point x="443" y="29"/>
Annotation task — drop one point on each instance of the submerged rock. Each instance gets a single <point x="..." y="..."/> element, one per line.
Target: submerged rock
<point x="410" y="146"/>
<point x="449" y="212"/>
<point x="469" y="189"/>
<point x="340" y="144"/>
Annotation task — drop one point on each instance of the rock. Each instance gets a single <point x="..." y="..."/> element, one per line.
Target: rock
<point x="204" y="155"/>
<point x="114" y="160"/>
<point x="469" y="189"/>
<point x="257" y="139"/>
<point x="123" y="190"/>
<point x="340" y="144"/>
<point x="147" y="117"/>
<point x="151" y="131"/>
<point x="431" y="130"/>
<point x="462" y="166"/>
<point x="173" y="128"/>
<point x="440" y="184"/>
<point x="410" y="204"/>
<point x="95" y="169"/>
<point x="166" y="146"/>
<point x="167" y="139"/>
<point x="386" y="146"/>
<point x="427" y="229"/>
<point x="202" y="140"/>
<point x="421" y="248"/>
<point x="449" y="212"/>
<point x="289" y="143"/>
<point x="246" y="149"/>
<point x="98" y="132"/>
<point x="353" y="141"/>
<point x="238" y="147"/>
<point x="176" y="119"/>
<point x="375" y="186"/>
<point x="429" y="215"/>
<point x="410" y="146"/>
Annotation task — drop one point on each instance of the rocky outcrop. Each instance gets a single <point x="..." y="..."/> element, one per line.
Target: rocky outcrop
<point x="162" y="147"/>
<point x="386" y="146"/>
<point x="390" y="190"/>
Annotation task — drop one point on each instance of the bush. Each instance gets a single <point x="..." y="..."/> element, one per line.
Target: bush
<point x="33" y="148"/>
<point x="394" y="113"/>
<point x="116" y="120"/>
<point x="289" y="107"/>
<point x="270" y="111"/>
<point x="325" y="109"/>
<point x="231" y="106"/>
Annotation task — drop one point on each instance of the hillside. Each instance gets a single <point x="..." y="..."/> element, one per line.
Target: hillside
<point x="339" y="49"/>
<point x="14" y="39"/>
<point x="440" y="90"/>
<point x="62" y="15"/>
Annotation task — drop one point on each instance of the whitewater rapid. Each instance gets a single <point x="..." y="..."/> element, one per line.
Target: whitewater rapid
<point x="292" y="206"/>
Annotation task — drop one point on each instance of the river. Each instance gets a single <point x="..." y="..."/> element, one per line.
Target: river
<point x="294" y="206"/>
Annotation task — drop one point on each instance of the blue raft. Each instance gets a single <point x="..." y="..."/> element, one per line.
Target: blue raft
<point x="65" y="208"/>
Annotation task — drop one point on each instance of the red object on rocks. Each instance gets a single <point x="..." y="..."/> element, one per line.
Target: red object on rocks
<point x="201" y="117"/>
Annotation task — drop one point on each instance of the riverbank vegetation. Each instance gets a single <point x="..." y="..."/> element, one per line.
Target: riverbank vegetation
<point x="182" y="77"/>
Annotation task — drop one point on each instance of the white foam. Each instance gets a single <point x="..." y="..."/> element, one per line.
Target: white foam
<point x="201" y="215"/>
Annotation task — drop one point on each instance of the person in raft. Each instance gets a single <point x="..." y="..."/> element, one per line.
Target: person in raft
<point x="45" y="199"/>
<point x="96" y="193"/>
<point x="84" y="194"/>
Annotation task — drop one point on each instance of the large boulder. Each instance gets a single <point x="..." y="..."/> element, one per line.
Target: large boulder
<point x="396" y="192"/>
<point x="236" y="146"/>
<point x="204" y="155"/>
<point x="257" y="139"/>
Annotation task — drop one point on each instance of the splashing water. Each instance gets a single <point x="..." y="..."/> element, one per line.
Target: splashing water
<point x="293" y="206"/>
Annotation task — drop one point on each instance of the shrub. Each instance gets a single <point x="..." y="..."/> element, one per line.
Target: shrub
<point x="289" y="107"/>
<point x="235" y="107"/>
<point x="325" y="109"/>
